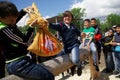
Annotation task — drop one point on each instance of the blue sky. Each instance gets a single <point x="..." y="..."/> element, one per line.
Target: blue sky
<point x="94" y="8"/>
<point x="46" y="7"/>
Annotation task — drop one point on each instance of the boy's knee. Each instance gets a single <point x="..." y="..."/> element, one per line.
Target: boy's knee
<point x="75" y="62"/>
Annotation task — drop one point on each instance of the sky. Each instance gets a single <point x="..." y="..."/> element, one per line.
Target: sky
<point x="50" y="8"/>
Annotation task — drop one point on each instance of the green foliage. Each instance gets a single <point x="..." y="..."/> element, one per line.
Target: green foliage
<point x="111" y="20"/>
<point x="104" y="27"/>
<point x="78" y="13"/>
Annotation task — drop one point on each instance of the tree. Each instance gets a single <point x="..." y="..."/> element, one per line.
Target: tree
<point x="112" y="19"/>
<point x="78" y="13"/>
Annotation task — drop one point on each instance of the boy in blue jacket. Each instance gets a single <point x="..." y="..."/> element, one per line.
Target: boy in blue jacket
<point x="69" y="34"/>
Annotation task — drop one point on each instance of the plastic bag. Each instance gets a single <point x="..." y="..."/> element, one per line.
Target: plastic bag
<point x="23" y="21"/>
<point x="45" y="43"/>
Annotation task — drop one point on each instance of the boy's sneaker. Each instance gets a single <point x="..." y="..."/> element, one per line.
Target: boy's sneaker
<point x="79" y="71"/>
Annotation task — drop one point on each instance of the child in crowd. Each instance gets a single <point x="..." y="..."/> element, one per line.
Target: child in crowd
<point x="89" y="41"/>
<point x="107" y="50"/>
<point x="116" y="43"/>
<point x="97" y="36"/>
<point x="14" y="44"/>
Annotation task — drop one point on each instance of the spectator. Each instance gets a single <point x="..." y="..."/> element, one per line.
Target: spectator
<point x="116" y="43"/>
<point x="97" y="36"/>
<point x="107" y="50"/>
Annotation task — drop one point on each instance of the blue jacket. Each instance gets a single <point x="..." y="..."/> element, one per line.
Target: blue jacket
<point x="69" y="35"/>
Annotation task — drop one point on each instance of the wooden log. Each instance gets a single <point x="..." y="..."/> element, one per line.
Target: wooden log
<point x="56" y="65"/>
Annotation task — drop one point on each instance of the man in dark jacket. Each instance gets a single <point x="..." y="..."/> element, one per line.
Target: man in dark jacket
<point x="97" y="37"/>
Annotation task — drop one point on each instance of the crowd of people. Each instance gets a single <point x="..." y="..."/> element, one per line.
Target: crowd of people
<point x="13" y="44"/>
<point x="110" y="42"/>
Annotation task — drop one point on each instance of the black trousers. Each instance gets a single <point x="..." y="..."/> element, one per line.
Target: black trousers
<point x="98" y="45"/>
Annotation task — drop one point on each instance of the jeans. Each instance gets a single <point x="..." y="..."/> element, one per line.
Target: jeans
<point x="94" y="51"/>
<point x="75" y="56"/>
<point x="109" y="60"/>
<point x="116" y="56"/>
<point x="25" y="68"/>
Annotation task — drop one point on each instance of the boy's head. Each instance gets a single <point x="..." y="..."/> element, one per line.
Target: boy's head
<point x="67" y="17"/>
<point x="8" y="12"/>
<point x="118" y="28"/>
<point x="93" y="22"/>
<point x="110" y="32"/>
<point x="87" y="23"/>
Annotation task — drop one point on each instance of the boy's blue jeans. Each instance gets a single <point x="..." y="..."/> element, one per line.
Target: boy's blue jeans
<point x="109" y="60"/>
<point x="75" y="56"/>
<point x="94" y="51"/>
<point x="27" y="69"/>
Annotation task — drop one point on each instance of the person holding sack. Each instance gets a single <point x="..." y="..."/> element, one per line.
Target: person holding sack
<point x="15" y="45"/>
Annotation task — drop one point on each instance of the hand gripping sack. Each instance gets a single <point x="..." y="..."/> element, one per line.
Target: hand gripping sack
<point x="44" y="43"/>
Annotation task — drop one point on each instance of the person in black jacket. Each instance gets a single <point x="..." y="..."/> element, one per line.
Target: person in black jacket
<point x="15" y="45"/>
<point x="97" y="36"/>
<point x="69" y="34"/>
<point x="107" y="50"/>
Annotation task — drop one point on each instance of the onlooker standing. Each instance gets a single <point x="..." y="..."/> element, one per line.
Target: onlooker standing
<point x="116" y="44"/>
<point x="97" y="36"/>
<point x="107" y="50"/>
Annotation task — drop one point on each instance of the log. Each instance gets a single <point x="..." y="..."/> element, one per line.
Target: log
<point x="56" y="65"/>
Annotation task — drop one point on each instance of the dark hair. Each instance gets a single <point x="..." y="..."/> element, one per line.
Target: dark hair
<point x="66" y="13"/>
<point x="118" y="25"/>
<point x="93" y="19"/>
<point x="111" y="30"/>
<point x="8" y="9"/>
<point x="88" y="20"/>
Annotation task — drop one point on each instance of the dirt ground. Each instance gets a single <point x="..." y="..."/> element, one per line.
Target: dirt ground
<point x="86" y="73"/>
